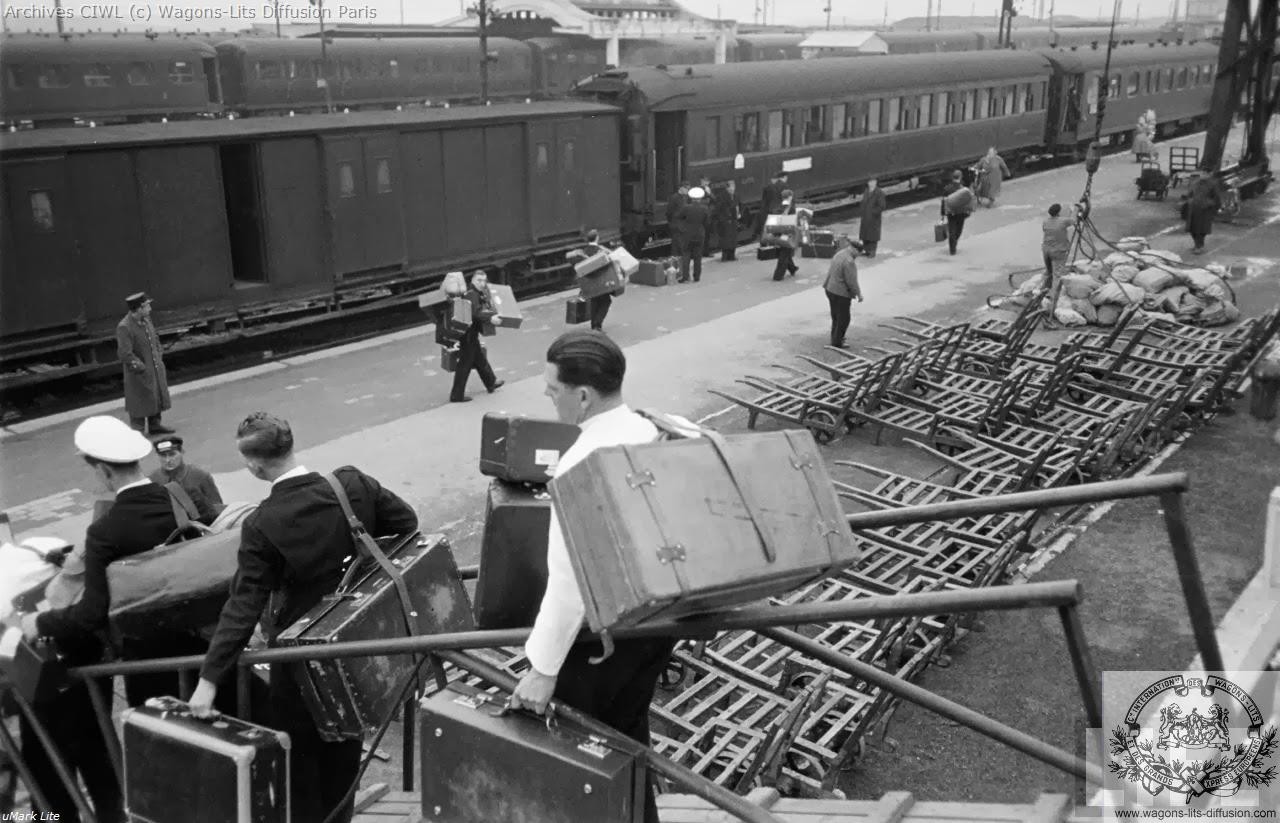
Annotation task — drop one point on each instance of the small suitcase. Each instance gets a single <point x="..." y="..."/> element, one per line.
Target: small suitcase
<point x="509" y="315"/>
<point x="450" y="356"/>
<point x="523" y="449"/>
<point x="460" y="314"/>
<point x="650" y="273"/>
<point x="513" y="556"/>
<point x="577" y="310"/>
<point x="682" y="526"/>
<point x="767" y="253"/>
<point x="940" y="231"/>
<point x="482" y="766"/>
<point x="220" y="770"/>
<point x="349" y="697"/>
<point x="822" y="245"/>
<point x="445" y="333"/>
<point x="602" y="281"/>
<point x="781" y="230"/>
<point x="590" y="265"/>
<point x="37" y="673"/>
<point x="625" y="261"/>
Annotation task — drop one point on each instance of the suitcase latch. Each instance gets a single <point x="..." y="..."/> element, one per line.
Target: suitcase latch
<point x="670" y="554"/>
<point x="595" y="746"/>
<point x="637" y="479"/>
<point x="800" y="465"/>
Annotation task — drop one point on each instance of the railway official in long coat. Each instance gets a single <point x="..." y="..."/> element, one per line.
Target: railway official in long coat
<point x="146" y="385"/>
<point x="584" y="375"/>
<point x="872" y="206"/>
<point x="675" y="230"/>
<point x="1202" y="204"/>
<point x="292" y="554"/>
<point x="724" y="214"/>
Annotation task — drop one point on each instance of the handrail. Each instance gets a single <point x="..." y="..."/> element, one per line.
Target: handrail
<point x="1003" y="598"/>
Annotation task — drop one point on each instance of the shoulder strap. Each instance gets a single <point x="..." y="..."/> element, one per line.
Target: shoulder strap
<point x="363" y="541"/>
<point x="184" y="512"/>
<point x="673" y="429"/>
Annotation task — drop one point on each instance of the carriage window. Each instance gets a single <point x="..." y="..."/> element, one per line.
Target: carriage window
<point x="790" y="128"/>
<point x="383" y="175"/>
<point x="181" y="72"/>
<point x="1135" y="84"/>
<point x="773" y="131"/>
<point x="346" y="180"/>
<point x="98" y="75"/>
<point x="981" y="99"/>
<point x="566" y="155"/>
<point x="1158" y="74"/>
<point x="815" y="127"/>
<point x="1042" y="102"/>
<point x="542" y="157"/>
<point x="711" y="137"/>
<point x="1168" y="79"/>
<point x="1008" y="99"/>
<point x="42" y="210"/>
<point x="139" y="74"/>
<point x="16" y="76"/>
<point x="1117" y="85"/>
<point x="840" y="126"/>
<point x="938" y="108"/>
<point x="1149" y="85"/>
<point x="893" y="122"/>
<point x="954" y="106"/>
<point x="267" y="70"/>
<point x="746" y="129"/>
<point x="1182" y="77"/>
<point x="871" y="117"/>
<point x="1208" y="72"/>
<point x="54" y="77"/>
<point x="1021" y="95"/>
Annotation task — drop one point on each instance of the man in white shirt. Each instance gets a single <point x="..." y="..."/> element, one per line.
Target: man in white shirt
<point x="584" y="374"/>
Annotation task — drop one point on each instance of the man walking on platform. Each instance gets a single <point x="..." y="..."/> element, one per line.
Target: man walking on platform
<point x="694" y="220"/>
<point x="472" y="355"/>
<point x="599" y="305"/>
<point x="871" y="208"/>
<point x="1202" y="205"/>
<point x="786" y="253"/>
<point x="770" y="201"/>
<point x="146" y="385"/>
<point x="293" y="552"/>
<point x="842" y="289"/>
<point x="957" y="205"/>
<point x="584" y="376"/>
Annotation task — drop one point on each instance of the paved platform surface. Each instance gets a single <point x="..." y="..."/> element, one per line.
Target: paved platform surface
<point x="383" y="406"/>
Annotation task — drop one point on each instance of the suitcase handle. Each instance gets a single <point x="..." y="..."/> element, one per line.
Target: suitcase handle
<point x="549" y="718"/>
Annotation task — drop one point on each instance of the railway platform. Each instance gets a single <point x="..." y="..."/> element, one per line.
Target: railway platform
<point x="382" y="405"/>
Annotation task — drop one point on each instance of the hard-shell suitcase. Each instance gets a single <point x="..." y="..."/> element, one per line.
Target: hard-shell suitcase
<point x="650" y="273"/>
<point x="590" y="265"/>
<point x="577" y="310"/>
<point x="625" y="261"/>
<point x="459" y="314"/>
<point x="481" y="766"/>
<point x="350" y="697"/>
<point x="523" y="449"/>
<point x="221" y="770"/>
<point x="781" y="230"/>
<point x="767" y="253"/>
<point x="602" y="281"/>
<point x="450" y="356"/>
<point x="940" y="231"/>
<point x="682" y="526"/>
<point x="513" y="556"/>
<point x="822" y="245"/>
<point x="509" y="315"/>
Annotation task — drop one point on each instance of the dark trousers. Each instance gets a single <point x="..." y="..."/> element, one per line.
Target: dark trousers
<point x="322" y="772"/>
<point x="70" y="721"/>
<point x="955" y="225"/>
<point x="840" y="317"/>
<point x="691" y="252"/>
<point x="599" y="308"/>
<point x="786" y="262"/>
<point x="727" y="237"/>
<point x="1198" y="239"/>
<point x="618" y="691"/>
<point x="145" y="424"/>
<point x="869" y="247"/>
<point x="470" y="357"/>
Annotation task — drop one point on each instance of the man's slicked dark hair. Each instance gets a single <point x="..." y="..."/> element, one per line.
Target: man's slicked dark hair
<point x="588" y="358"/>
<point x="264" y="436"/>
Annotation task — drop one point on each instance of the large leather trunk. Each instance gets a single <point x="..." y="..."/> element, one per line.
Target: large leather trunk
<point x="668" y="529"/>
<point x="172" y="589"/>
<point x="221" y="770"/>
<point x="479" y="767"/>
<point x="513" y="556"/>
<point x="522" y="449"/>
<point x="602" y="281"/>
<point x="650" y="273"/>
<point x="351" y="696"/>
<point x="507" y="307"/>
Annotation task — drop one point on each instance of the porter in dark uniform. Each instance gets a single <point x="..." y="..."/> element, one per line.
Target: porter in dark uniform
<point x="292" y="552"/>
<point x="786" y="254"/>
<point x="694" y="219"/>
<point x="472" y="355"/>
<point x="584" y="381"/>
<point x="724" y="213"/>
<point x="195" y="481"/>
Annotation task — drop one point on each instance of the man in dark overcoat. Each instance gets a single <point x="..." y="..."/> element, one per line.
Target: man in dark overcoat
<point x="473" y="356"/>
<point x="694" y="219"/>
<point x="146" y="385"/>
<point x="724" y="214"/>
<point x="872" y="206"/>
<point x="770" y="201"/>
<point x="675" y="231"/>
<point x="1202" y="204"/>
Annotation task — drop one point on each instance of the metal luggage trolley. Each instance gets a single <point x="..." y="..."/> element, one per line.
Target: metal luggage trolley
<point x="1183" y="161"/>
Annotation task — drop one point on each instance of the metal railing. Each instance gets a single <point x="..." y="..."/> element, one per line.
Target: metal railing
<point x="771" y="622"/>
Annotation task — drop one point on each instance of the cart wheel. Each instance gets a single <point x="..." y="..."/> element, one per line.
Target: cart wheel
<point x="673" y="676"/>
<point x="822" y="424"/>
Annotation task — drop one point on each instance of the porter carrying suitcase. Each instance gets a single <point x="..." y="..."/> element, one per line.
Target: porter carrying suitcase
<point x="513" y="556"/>
<point x="625" y="261"/>
<point x="522" y="449"/>
<point x="590" y="265"/>
<point x="351" y="696"/>
<point x="681" y="526"/>
<point x="480" y="765"/>
<point x="178" y="767"/>
<point x="603" y="281"/>
<point x="460" y="314"/>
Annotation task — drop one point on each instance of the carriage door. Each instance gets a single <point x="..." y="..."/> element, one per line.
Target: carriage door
<point x="668" y="152"/>
<point x="211" y="80"/>
<point x="1070" y="94"/>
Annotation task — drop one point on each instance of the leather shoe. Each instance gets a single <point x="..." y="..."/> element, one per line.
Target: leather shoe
<point x="159" y="429"/>
<point x="459" y="399"/>
<point x="497" y="386"/>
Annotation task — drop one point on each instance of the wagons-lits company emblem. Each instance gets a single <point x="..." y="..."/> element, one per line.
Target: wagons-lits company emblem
<point x="1187" y="747"/>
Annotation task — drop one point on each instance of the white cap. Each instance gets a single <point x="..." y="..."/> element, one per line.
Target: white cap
<point x="110" y="440"/>
<point x="696" y="193"/>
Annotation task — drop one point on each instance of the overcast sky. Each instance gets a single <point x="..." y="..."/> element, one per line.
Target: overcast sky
<point x="237" y="14"/>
